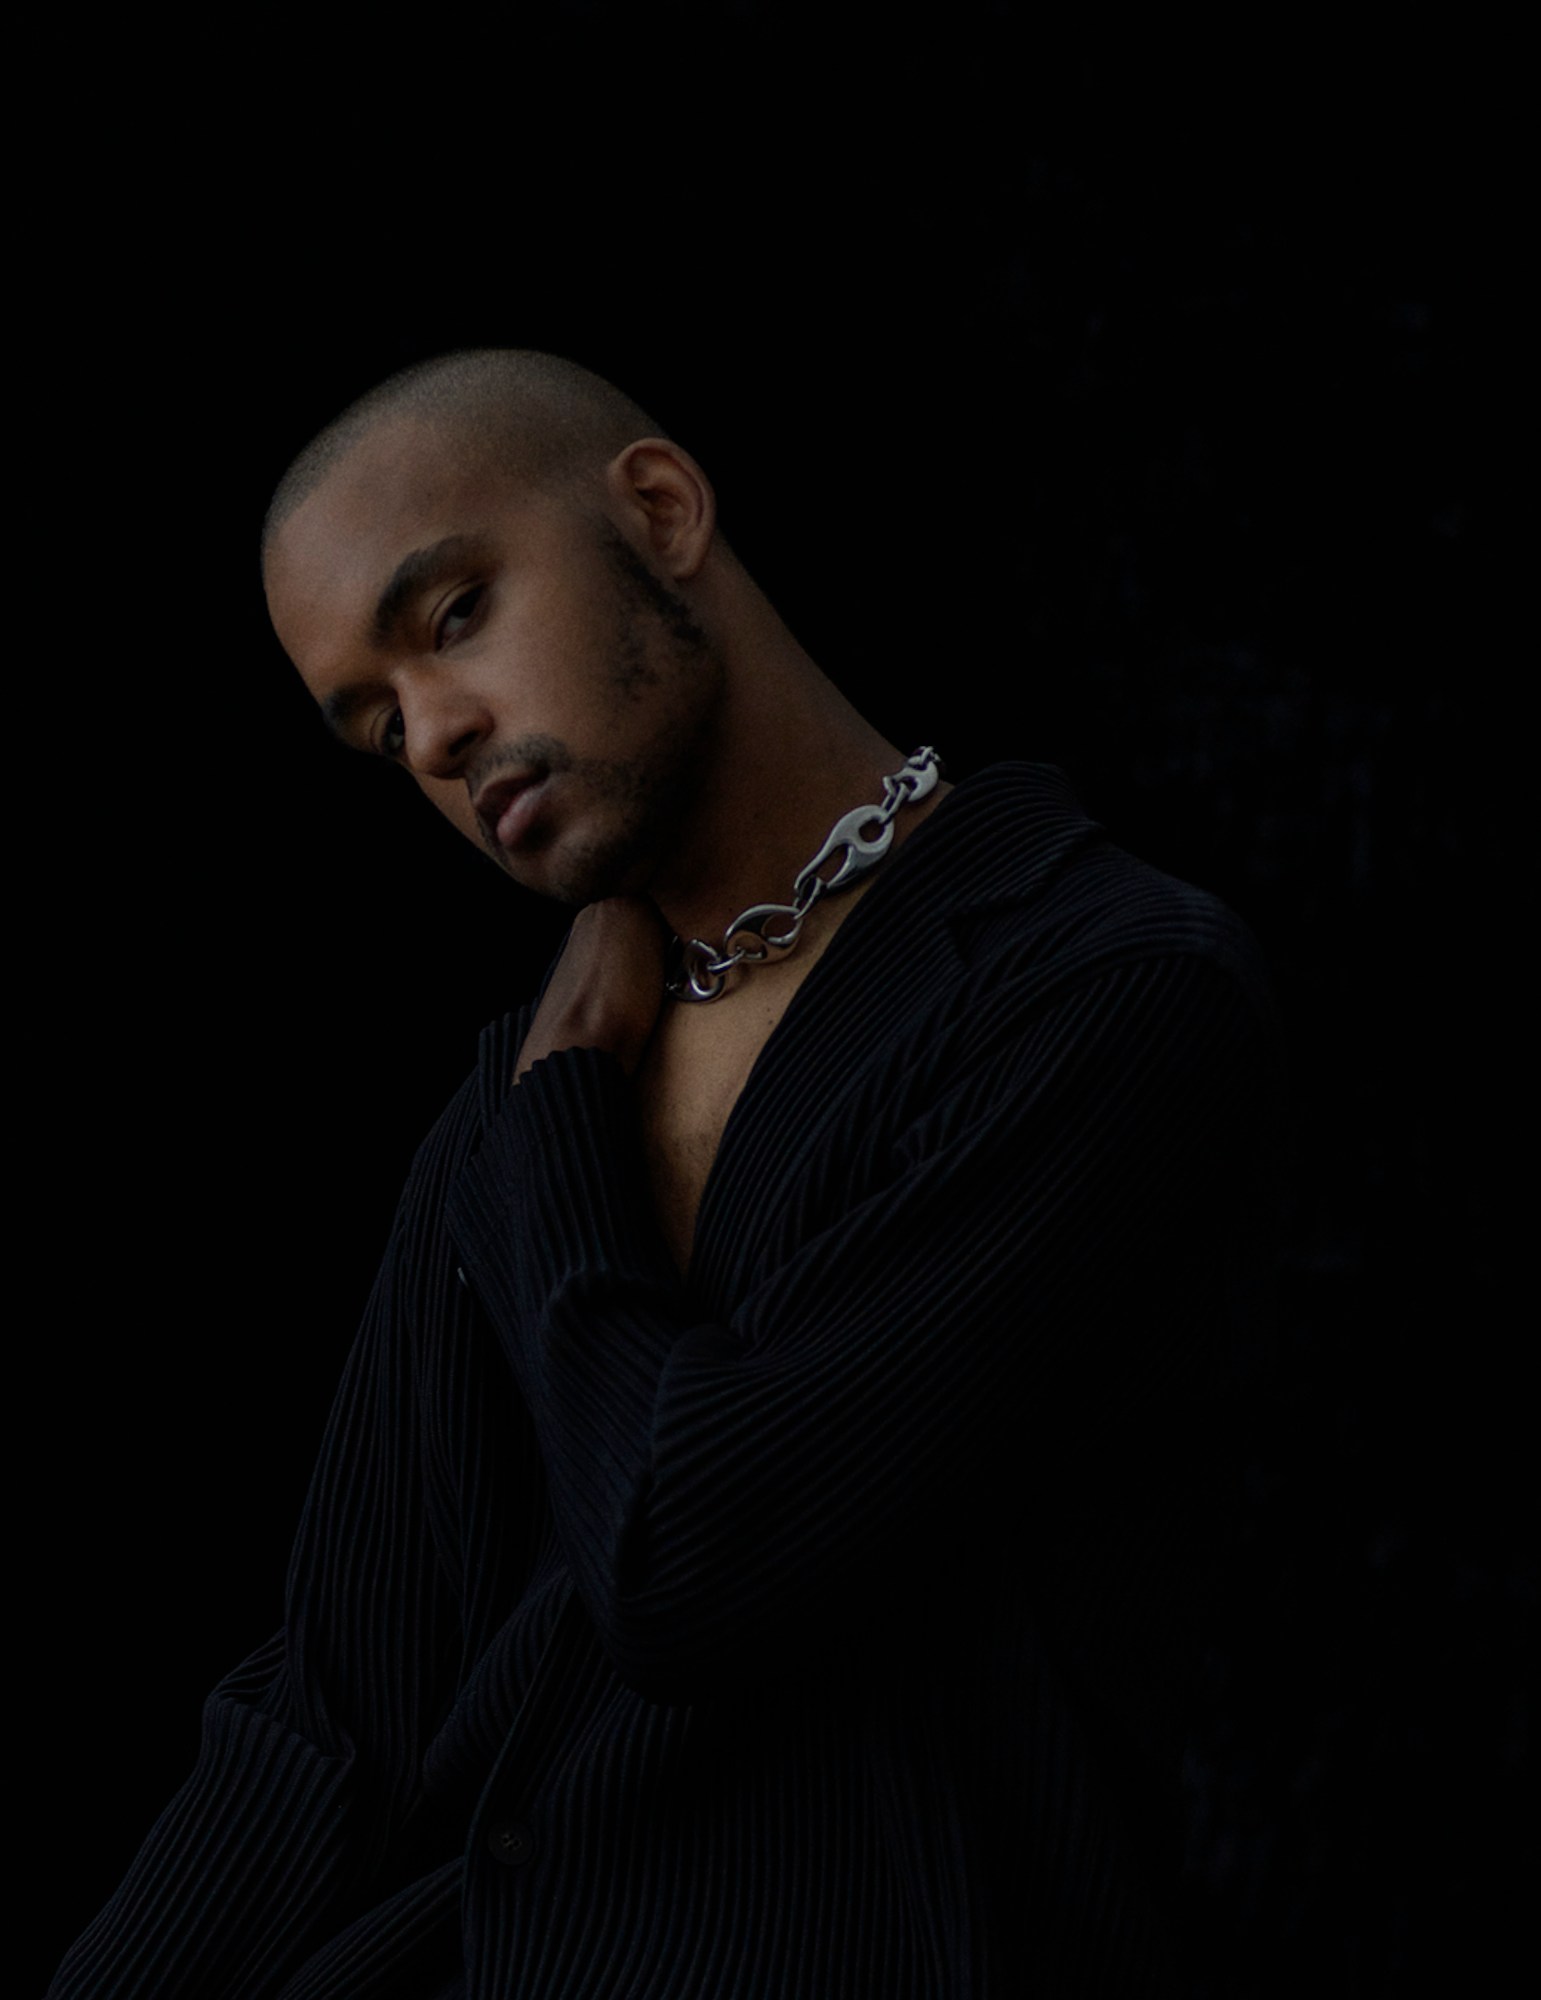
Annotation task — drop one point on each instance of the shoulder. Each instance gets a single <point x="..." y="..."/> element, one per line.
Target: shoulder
<point x="457" y="1132"/>
<point x="1036" y="893"/>
<point x="449" y="1143"/>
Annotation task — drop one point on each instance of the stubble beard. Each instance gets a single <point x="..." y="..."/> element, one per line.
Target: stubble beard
<point x="659" y="654"/>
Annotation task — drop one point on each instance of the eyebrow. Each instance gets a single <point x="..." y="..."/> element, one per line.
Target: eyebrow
<point x="414" y="574"/>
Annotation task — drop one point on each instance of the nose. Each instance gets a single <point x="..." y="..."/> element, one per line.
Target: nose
<point x="442" y="725"/>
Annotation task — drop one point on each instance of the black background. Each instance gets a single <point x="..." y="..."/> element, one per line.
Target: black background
<point x="1138" y="411"/>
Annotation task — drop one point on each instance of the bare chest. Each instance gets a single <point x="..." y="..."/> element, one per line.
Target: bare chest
<point x="697" y="1063"/>
<point x="688" y="1082"/>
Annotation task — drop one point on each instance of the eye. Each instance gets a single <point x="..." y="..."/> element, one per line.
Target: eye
<point x="458" y="613"/>
<point x="392" y="739"/>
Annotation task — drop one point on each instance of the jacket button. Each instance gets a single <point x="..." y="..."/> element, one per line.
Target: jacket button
<point x="510" y="1842"/>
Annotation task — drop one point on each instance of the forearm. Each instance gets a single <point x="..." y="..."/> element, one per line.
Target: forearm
<point x="307" y="1796"/>
<point x="235" y="1878"/>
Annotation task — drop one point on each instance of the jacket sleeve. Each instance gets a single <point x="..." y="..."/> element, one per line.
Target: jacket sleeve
<point x="721" y="1486"/>
<point x="305" y="1801"/>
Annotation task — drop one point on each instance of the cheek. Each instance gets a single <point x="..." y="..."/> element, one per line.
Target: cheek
<point x="450" y="796"/>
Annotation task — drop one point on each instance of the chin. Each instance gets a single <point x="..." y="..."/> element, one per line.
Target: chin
<point x="587" y="871"/>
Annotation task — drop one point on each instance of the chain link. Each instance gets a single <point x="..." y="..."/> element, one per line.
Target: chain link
<point x="754" y="937"/>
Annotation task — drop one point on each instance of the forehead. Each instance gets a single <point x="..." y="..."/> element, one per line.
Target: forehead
<point x="402" y="486"/>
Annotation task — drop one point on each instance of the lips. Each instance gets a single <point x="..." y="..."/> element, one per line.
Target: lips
<point x="506" y="806"/>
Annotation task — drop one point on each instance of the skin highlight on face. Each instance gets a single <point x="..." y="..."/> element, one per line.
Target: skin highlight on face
<point x="659" y="654"/>
<point x="509" y="610"/>
<point x="525" y="603"/>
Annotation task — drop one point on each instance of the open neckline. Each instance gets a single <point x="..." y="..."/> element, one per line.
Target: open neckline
<point x="797" y="1006"/>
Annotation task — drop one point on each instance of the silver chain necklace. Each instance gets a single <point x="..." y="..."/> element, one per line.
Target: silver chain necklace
<point x="701" y="970"/>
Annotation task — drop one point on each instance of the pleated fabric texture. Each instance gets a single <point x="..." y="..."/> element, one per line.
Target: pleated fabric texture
<point x="817" y="1626"/>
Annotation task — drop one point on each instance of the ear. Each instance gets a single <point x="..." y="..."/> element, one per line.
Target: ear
<point x="667" y="502"/>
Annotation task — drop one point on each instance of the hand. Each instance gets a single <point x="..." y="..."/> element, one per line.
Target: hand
<point x="607" y="987"/>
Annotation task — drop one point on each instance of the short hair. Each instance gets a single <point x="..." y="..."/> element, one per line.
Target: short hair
<point x="548" y="421"/>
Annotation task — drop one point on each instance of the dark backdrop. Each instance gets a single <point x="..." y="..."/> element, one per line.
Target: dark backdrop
<point x="1154" y="440"/>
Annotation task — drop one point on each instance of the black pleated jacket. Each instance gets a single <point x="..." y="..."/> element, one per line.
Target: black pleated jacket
<point x="817" y="1627"/>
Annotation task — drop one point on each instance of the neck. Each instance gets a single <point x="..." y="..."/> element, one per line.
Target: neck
<point x="789" y="755"/>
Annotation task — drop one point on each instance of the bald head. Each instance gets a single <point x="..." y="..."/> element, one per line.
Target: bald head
<point x="495" y="571"/>
<point x="545" y="421"/>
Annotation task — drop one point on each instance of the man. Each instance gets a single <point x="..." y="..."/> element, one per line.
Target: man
<point x="754" y="1548"/>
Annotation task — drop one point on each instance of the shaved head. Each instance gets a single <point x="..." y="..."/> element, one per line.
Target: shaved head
<point x="547" y="421"/>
